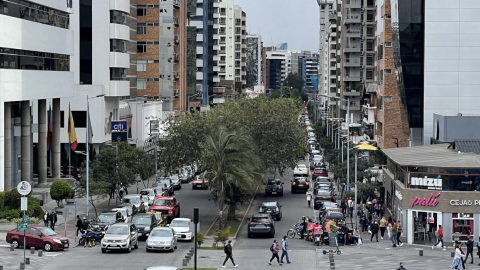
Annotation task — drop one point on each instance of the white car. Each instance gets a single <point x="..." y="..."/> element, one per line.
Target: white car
<point x="300" y="169"/>
<point x="311" y="134"/>
<point x="135" y="200"/>
<point x="309" y="128"/>
<point x="182" y="228"/>
<point x="127" y="216"/>
<point x="161" y="238"/>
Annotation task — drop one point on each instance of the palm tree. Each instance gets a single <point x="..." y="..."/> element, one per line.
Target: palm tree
<point x="229" y="159"/>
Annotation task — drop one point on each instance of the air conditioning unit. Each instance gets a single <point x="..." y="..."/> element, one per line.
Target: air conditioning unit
<point x="175" y="74"/>
<point x="176" y="93"/>
<point x="176" y="39"/>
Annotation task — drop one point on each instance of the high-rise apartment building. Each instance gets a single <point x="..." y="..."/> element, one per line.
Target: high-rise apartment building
<point x="277" y="68"/>
<point x="226" y="33"/>
<point x="162" y="51"/>
<point x="240" y="48"/>
<point x="309" y="70"/>
<point x="254" y="60"/>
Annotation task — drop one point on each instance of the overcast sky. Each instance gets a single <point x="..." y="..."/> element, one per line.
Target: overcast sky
<point x="278" y="21"/>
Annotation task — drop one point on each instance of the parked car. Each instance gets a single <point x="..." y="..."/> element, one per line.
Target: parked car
<point x="329" y="215"/>
<point x="319" y="171"/>
<point x="261" y="224"/>
<point x="177" y="184"/>
<point x="185" y="174"/>
<point x="38" y="237"/>
<point x="199" y="181"/>
<point x="300" y="170"/>
<point x="126" y="215"/>
<point x="322" y="195"/>
<point x="144" y="223"/>
<point x="166" y="184"/>
<point x="169" y="206"/>
<point x="300" y="183"/>
<point x="272" y="208"/>
<point x="327" y="205"/>
<point x="182" y="228"/>
<point x="123" y="236"/>
<point x="322" y="180"/>
<point x="161" y="238"/>
<point x="107" y="218"/>
<point x="274" y="187"/>
<point x="314" y="152"/>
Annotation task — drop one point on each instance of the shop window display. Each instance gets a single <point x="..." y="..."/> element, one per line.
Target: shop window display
<point x="462" y="226"/>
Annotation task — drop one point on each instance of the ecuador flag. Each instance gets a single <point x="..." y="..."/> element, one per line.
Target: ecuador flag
<point x="72" y="137"/>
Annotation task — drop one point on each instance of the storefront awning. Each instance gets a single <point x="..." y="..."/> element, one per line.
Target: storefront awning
<point x="436" y="155"/>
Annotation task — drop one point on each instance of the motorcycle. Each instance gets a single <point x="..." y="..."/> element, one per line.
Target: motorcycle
<point x="92" y="236"/>
<point x="297" y="230"/>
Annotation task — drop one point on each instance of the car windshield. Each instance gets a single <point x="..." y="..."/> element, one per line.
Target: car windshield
<point x="142" y="220"/>
<point x="118" y="230"/>
<point x="47" y="231"/>
<point x="146" y="192"/>
<point x="174" y="177"/>
<point x="106" y="218"/>
<point x="180" y="223"/>
<point x="161" y="233"/>
<point x="132" y="200"/>
<point x="163" y="202"/>
<point x="272" y="182"/>
<point x="164" y="182"/>
<point x="317" y="156"/>
<point x="123" y="211"/>
<point x="301" y="166"/>
<point x="126" y="207"/>
<point x="260" y="219"/>
<point x="334" y="215"/>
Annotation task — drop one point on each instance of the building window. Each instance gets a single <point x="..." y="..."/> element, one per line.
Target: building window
<point x="118" y="74"/>
<point x="34" y="12"/>
<point x="388" y="44"/>
<point x="142" y="84"/>
<point x="141" y="47"/>
<point x="387" y="99"/>
<point x="462" y="227"/>
<point x="388" y="71"/>
<point x="118" y="17"/>
<point x="238" y="22"/>
<point x="80" y="119"/>
<point x="118" y="45"/>
<point x="369" y="74"/>
<point x="141" y="65"/>
<point x="32" y="60"/>
<point x="141" y="29"/>
<point x="141" y="11"/>
<point x="369" y="59"/>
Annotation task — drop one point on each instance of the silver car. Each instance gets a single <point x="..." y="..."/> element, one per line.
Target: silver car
<point x="161" y="238"/>
<point x="120" y="236"/>
<point x="182" y="228"/>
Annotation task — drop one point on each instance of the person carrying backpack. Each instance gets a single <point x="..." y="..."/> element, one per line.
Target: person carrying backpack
<point x="274" y="249"/>
<point x="228" y="252"/>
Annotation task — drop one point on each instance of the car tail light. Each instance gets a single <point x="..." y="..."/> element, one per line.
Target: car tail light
<point x="250" y="223"/>
<point x="306" y="183"/>
<point x="293" y="183"/>
<point x="331" y="197"/>
<point x="324" y="220"/>
<point x="268" y="222"/>
<point x="317" y="197"/>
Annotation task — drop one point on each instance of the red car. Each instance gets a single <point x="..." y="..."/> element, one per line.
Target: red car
<point x="199" y="182"/>
<point x="38" y="237"/>
<point x="168" y="206"/>
<point x="319" y="171"/>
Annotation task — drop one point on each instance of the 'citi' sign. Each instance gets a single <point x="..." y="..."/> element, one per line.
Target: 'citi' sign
<point x="430" y="201"/>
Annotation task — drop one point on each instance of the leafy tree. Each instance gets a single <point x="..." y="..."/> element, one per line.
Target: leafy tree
<point x="228" y="157"/>
<point x="60" y="190"/>
<point x="294" y="80"/>
<point x="95" y="188"/>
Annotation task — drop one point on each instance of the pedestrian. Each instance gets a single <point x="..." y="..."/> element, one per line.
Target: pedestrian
<point x="401" y="267"/>
<point x="120" y="192"/>
<point x="45" y="219"/>
<point x="470" y="249"/>
<point x="478" y="248"/>
<point x="389" y="227"/>
<point x="374" y="230"/>
<point x="228" y="253"/>
<point x="383" y="226"/>
<point x="377" y="208"/>
<point x="458" y="258"/>
<point x="309" y="197"/>
<point x="53" y="219"/>
<point x="274" y="249"/>
<point x="363" y="223"/>
<point x="393" y="236"/>
<point x="356" y="236"/>
<point x="439" y="235"/>
<point x="85" y="224"/>
<point x="284" y="250"/>
<point x="344" y="207"/>
<point x="79" y="225"/>
<point x="350" y="206"/>
<point x="399" y="233"/>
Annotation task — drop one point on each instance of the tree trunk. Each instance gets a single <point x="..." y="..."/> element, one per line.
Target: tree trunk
<point x="93" y="205"/>
<point x="231" y="211"/>
<point x="221" y="222"/>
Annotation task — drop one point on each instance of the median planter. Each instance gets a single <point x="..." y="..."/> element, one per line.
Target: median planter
<point x="5" y="227"/>
<point x="70" y="201"/>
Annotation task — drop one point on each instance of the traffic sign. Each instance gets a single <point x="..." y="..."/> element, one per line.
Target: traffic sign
<point x="24" y="203"/>
<point x="75" y="205"/>
<point x="22" y="226"/>
<point x="348" y="188"/>
<point x="26" y="219"/>
<point x="24" y="188"/>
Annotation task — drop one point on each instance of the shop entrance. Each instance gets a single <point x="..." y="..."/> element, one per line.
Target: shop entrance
<point x="424" y="226"/>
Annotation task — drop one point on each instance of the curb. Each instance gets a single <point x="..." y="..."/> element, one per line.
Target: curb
<point x="214" y="221"/>
<point x="245" y="215"/>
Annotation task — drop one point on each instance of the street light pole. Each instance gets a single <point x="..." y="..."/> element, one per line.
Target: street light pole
<point x="356" y="157"/>
<point x="348" y="141"/>
<point x="88" y="147"/>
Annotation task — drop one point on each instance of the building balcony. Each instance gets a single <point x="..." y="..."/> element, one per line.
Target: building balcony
<point x="215" y="68"/>
<point x="351" y="93"/>
<point x="216" y="58"/>
<point x="118" y="89"/>
<point x="199" y="50"/>
<point x="352" y="62"/>
<point x="216" y="79"/>
<point x="352" y="48"/>
<point x="352" y="19"/>
<point x="199" y="76"/>
<point x="216" y="47"/>
<point x="199" y="63"/>
<point x="332" y="17"/>
<point x="218" y="90"/>
<point x="200" y="37"/>
<point x="216" y="15"/>
<point x="351" y="78"/>
<point x="216" y="36"/>
<point x="216" y="26"/>
<point x="353" y="106"/>
<point x="120" y="5"/>
<point x="352" y="4"/>
<point x="352" y="33"/>
<point x="119" y="60"/>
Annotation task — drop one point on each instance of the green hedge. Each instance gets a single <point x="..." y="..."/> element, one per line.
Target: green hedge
<point x="10" y="205"/>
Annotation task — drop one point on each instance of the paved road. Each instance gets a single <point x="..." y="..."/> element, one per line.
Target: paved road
<point x="294" y="206"/>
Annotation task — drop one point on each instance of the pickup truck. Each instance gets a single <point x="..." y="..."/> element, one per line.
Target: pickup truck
<point x="168" y="206"/>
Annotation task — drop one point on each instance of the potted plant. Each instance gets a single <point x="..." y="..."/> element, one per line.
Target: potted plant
<point x="71" y="198"/>
<point x="59" y="191"/>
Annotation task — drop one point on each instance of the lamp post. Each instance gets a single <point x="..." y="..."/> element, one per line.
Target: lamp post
<point x="144" y="98"/>
<point x="348" y="134"/>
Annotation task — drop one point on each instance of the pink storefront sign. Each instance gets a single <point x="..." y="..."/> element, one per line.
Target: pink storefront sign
<point x="430" y="201"/>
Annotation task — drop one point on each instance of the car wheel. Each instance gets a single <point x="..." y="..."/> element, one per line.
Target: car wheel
<point x="129" y="249"/>
<point x="15" y="243"/>
<point x="249" y="235"/>
<point x="272" y="234"/>
<point x="281" y="193"/>
<point x="279" y="218"/>
<point x="47" y="247"/>
<point x="104" y="250"/>
<point x="175" y="246"/>
<point x="193" y="187"/>
<point x="146" y="249"/>
<point x="180" y="187"/>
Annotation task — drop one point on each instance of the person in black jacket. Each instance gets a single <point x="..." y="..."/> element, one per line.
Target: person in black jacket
<point x="85" y="224"/>
<point x="79" y="225"/>
<point x="53" y="219"/>
<point x="374" y="230"/>
<point x="228" y="252"/>
<point x="470" y="249"/>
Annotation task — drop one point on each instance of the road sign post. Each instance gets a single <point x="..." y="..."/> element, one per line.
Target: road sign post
<point x="75" y="237"/>
<point x="24" y="188"/>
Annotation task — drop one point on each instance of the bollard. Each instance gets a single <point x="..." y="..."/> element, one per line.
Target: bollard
<point x="420" y="252"/>
<point x="40" y="253"/>
<point x="27" y="261"/>
<point x="1" y="267"/>
<point x="12" y="247"/>
<point x="32" y="250"/>
<point x="188" y="257"/>
<point x="185" y="262"/>
<point x="452" y="254"/>
<point x="22" y="266"/>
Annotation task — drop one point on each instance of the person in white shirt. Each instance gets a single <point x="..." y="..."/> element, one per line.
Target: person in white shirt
<point x="284" y="250"/>
<point x="350" y="205"/>
<point x="309" y="197"/>
<point x="458" y="258"/>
